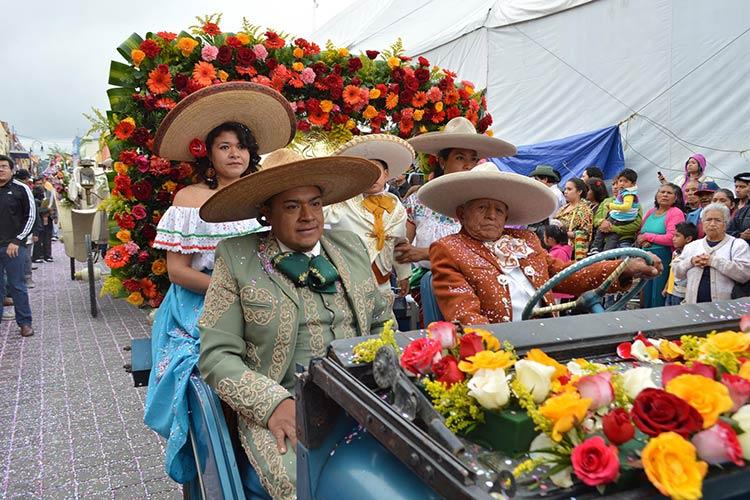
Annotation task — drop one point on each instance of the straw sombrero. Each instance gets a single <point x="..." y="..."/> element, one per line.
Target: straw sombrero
<point x="338" y="177"/>
<point x="394" y="151"/>
<point x="263" y="110"/>
<point x="461" y="133"/>
<point x="528" y="200"/>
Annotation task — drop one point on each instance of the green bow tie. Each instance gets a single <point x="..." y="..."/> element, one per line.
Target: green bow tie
<point x="318" y="273"/>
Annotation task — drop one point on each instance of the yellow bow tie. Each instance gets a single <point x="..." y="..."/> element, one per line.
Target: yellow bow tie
<point x="376" y="204"/>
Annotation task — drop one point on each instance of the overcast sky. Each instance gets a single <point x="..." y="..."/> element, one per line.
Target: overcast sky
<point x="55" y="54"/>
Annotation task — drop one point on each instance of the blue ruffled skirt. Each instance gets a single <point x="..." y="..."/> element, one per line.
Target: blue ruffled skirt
<point x="175" y="346"/>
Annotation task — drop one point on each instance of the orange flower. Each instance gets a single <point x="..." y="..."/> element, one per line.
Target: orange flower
<point x="298" y="53"/>
<point x="159" y="267"/>
<point x="438" y="107"/>
<point x="374" y="93"/>
<point x="204" y="73"/>
<point x="394" y="62"/>
<point x="326" y="106"/>
<point x="165" y="103"/>
<point x="246" y="70"/>
<point x="186" y="45"/>
<point x="123" y="235"/>
<point x="223" y="75"/>
<point x="148" y="288"/>
<point x="125" y="128"/>
<point x="419" y="99"/>
<point x="135" y="299"/>
<point x="318" y="118"/>
<point x="370" y="113"/>
<point x="169" y="186"/>
<point x="450" y="96"/>
<point x="298" y="66"/>
<point x="352" y="95"/>
<point x="541" y="357"/>
<point x="159" y="81"/>
<point x="391" y="101"/>
<point x="273" y="41"/>
<point x="137" y="56"/>
<point x="418" y="114"/>
<point x="243" y="38"/>
<point x="564" y="411"/>
<point x="121" y="168"/>
<point x="117" y="257"/>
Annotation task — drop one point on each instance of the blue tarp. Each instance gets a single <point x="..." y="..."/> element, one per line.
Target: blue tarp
<point x="570" y="155"/>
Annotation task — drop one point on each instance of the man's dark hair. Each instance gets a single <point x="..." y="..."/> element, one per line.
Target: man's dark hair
<point x="557" y="233"/>
<point x="38" y="193"/>
<point x="688" y="230"/>
<point x="22" y="174"/>
<point x="9" y="160"/>
<point x="594" y="171"/>
<point x="629" y="174"/>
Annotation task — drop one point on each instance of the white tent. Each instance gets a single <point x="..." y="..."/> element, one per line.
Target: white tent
<point x="674" y="73"/>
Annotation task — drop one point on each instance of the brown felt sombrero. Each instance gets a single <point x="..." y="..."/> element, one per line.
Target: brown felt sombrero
<point x="264" y="111"/>
<point x="394" y="151"/>
<point x="528" y="200"/>
<point x="338" y="177"/>
<point x="461" y="133"/>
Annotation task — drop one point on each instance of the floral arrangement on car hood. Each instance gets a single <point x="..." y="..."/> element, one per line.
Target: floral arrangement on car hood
<point x="675" y="409"/>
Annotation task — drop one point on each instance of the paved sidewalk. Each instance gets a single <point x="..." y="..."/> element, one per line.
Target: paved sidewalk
<point x="70" y="418"/>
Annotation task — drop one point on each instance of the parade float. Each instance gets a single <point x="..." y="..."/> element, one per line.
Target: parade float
<point x="335" y="95"/>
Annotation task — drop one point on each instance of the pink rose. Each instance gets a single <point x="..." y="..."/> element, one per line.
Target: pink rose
<point x="444" y="332"/>
<point x="739" y="389"/>
<point x="260" y="52"/>
<point x="209" y="53"/>
<point x="594" y="462"/>
<point x="307" y="76"/>
<point x="138" y="211"/>
<point x="718" y="445"/>
<point x="673" y="370"/>
<point x="745" y="323"/>
<point x="420" y="354"/>
<point x="142" y="163"/>
<point x="598" y="388"/>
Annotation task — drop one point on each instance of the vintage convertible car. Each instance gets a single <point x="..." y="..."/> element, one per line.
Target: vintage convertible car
<point x="351" y="439"/>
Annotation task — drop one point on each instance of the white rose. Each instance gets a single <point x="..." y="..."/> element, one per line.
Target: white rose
<point x="742" y="417"/>
<point x="490" y="388"/>
<point x="744" y="440"/>
<point x="561" y="479"/>
<point x="535" y="377"/>
<point x="639" y="352"/>
<point x="637" y="379"/>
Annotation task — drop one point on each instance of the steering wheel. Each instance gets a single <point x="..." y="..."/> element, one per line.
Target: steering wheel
<point x="592" y="298"/>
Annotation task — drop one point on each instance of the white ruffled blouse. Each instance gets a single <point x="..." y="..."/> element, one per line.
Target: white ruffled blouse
<point x="182" y="230"/>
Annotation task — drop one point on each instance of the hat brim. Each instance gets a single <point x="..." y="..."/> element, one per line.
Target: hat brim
<point x="264" y="111"/>
<point x="397" y="153"/>
<point x="528" y="200"/>
<point x="485" y="146"/>
<point x="338" y="177"/>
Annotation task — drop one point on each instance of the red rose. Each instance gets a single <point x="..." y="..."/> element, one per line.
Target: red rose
<point x="398" y="73"/>
<point x="423" y="62"/>
<point x="142" y="190"/>
<point x="656" y="411"/>
<point x="225" y="55"/>
<point x="150" y="48"/>
<point x="372" y="54"/>
<point x="138" y="211"/>
<point x="420" y="354"/>
<point x="128" y="156"/>
<point x="197" y="148"/>
<point x="673" y="370"/>
<point x="271" y="63"/>
<point x="484" y="123"/>
<point x="245" y="56"/>
<point x="141" y="136"/>
<point x="739" y="389"/>
<point x="148" y="232"/>
<point x="233" y="41"/>
<point x="594" y="462"/>
<point x="320" y="68"/>
<point x="446" y="370"/>
<point x="422" y="75"/>
<point x="303" y="125"/>
<point x="131" y="285"/>
<point x="125" y="221"/>
<point x="355" y="64"/>
<point x="469" y="345"/>
<point x="617" y="426"/>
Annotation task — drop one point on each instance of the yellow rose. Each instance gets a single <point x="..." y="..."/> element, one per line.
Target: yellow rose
<point x="374" y="93"/>
<point x="137" y="56"/>
<point x="159" y="267"/>
<point x="491" y="343"/>
<point x="489" y="133"/>
<point x="350" y="124"/>
<point x="670" y="351"/>
<point x="709" y="397"/>
<point x="439" y="106"/>
<point x="123" y="235"/>
<point x="486" y="359"/>
<point x="469" y="89"/>
<point x="735" y="342"/>
<point x="298" y="53"/>
<point x="243" y="38"/>
<point x="223" y="75"/>
<point x="541" y="357"/>
<point x="394" y="62"/>
<point x="564" y="411"/>
<point x="343" y="52"/>
<point x="326" y="106"/>
<point x="135" y="299"/>
<point x="672" y="466"/>
<point x="745" y="370"/>
<point x="186" y="45"/>
<point x="298" y="66"/>
<point x="169" y="186"/>
<point x="418" y="114"/>
<point x="120" y="168"/>
<point x="370" y="112"/>
<point x="422" y="129"/>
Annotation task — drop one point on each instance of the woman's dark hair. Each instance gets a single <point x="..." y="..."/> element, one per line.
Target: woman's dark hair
<point x="596" y="185"/>
<point x="557" y="233"/>
<point x="581" y="186"/>
<point x="438" y="170"/>
<point x="729" y="194"/>
<point x="679" y="202"/>
<point x="246" y="140"/>
<point x="594" y="171"/>
<point x="688" y="230"/>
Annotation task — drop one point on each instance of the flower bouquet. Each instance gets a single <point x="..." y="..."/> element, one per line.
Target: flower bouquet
<point x="669" y="409"/>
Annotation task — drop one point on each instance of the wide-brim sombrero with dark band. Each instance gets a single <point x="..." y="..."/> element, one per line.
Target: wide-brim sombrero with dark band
<point x="264" y="111"/>
<point x="528" y="200"/>
<point x="460" y="133"/>
<point x="394" y="151"/>
<point x="338" y="177"/>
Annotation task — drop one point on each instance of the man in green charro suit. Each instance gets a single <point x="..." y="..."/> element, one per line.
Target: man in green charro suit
<point x="279" y="298"/>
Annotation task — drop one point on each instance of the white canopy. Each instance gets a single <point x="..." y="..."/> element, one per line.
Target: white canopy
<point x="676" y="73"/>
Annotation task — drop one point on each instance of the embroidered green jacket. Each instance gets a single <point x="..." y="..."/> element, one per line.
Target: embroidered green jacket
<point x="249" y="331"/>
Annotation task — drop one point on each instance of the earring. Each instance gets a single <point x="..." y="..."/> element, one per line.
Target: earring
<point x="210" y="174"/>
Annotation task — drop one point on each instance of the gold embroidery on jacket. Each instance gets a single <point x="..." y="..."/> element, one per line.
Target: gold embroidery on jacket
<point x="314" y="322"/>
<point x="221" y="294"/>
<point x="258" y="305"/>
<point x="283" y="340"/>
<point x="252" y="395"/>
<point x="269" y="463"/>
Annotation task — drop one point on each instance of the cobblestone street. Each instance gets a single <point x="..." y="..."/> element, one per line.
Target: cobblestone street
<point x="70" y="418"/>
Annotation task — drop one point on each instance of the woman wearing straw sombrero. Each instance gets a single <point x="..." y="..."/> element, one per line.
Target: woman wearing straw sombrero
<point x="223" y="128"/>
<point x="277" y="299"/>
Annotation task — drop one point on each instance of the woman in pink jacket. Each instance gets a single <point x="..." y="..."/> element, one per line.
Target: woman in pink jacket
<point x="656" y="234"/>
